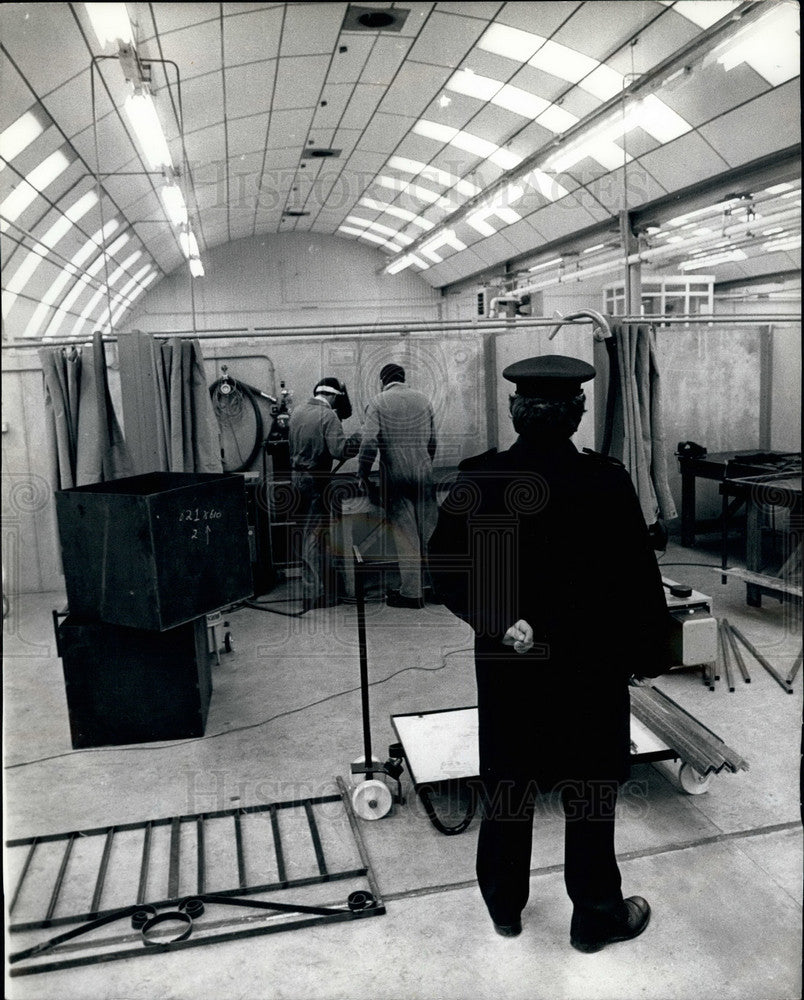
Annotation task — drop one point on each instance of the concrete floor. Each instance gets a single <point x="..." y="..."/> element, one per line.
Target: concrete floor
<point x="722" y="870"/>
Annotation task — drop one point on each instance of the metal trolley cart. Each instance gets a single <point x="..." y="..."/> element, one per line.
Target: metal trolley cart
<point x="440" y="746"/>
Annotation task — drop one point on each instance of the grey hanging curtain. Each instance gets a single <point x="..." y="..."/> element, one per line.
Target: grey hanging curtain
<point x="636" y="433"/>
<point x="188" y="428"/>
<point x="85" y="441"/>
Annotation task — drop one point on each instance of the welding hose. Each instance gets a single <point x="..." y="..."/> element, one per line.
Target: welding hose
<point x="250" y="393"/>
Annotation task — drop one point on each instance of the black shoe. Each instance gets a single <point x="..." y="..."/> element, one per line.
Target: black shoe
<point x="431" y="596"/>
<point x="396" y="600"/>
<point x="509" y="930"/>
<point x="630" y="925"/>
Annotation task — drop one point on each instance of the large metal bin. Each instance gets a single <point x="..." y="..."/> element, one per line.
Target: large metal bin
<point x="155" y="550"/>
<point x="127" y="685"/>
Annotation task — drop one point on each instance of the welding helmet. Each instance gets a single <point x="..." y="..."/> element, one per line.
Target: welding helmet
<point x="336" y="390"/>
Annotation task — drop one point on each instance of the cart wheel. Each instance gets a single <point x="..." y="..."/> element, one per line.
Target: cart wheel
<point x="228" y="642"/>
<point x="692" y="781"/>
<point x="372" y="799"/>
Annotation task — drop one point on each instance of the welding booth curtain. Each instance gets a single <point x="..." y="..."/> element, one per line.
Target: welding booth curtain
<point x="189" y="439"/>
<point x="84" y="438"/>
<point x="634" y="420"/>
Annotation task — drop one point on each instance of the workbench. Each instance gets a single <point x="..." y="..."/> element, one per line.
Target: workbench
<point x="718" y="466"/>
<point x="759" y="493"/>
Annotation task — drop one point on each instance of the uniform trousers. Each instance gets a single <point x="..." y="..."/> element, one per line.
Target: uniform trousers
<point x="591" y="875"/>
<point x="318" y="575"/>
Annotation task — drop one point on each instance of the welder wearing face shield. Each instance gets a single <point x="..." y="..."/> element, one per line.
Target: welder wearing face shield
<point x="317" y="439"/>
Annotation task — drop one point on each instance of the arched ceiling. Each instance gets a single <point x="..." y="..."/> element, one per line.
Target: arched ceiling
<point x="451" y="136"/>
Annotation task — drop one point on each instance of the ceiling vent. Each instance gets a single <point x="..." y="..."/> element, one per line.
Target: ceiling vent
<point x="319" y="153"/>
<point x="374" y="18"/>
<point x="294" y="213"/>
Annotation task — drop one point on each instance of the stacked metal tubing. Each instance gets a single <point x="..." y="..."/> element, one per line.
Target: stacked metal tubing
<point x="729" y="640"/>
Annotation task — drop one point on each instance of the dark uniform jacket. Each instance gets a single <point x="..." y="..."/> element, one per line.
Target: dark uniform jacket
<point x="543" y="533"/>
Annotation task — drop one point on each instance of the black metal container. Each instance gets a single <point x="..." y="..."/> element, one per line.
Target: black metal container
<point x="155" y="550"/>
<point x="127" y="685"/>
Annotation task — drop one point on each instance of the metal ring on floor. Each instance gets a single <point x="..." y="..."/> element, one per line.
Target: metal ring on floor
<point x="161" y="918"/>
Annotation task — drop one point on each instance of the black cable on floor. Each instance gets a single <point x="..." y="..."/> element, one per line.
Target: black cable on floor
<point x="240" y="729"/>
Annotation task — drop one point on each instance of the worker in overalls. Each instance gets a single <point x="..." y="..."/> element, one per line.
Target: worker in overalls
<point x="545" y="553"/>
<point x="316" y="440"/>
<point x="400" y="425"/>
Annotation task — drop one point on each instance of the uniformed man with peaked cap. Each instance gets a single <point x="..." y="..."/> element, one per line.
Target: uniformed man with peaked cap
<point x="544" y="552"/>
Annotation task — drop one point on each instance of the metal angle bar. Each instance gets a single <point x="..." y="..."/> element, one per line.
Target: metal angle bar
<point x="796" y="666"/>
<point x="54" y="898"/>
<point x="200" y="853"/>
<point x="280" y="858"/>
<point x="721" y="635"/>
<point x="364" y="859"/>
<point x="319" y="850"/>
<point x="761" y="659"/>
<point x="738" y="656"/>
<point x="104" y="864"/>
<point x="241" y="861"/>
<point x="175" y="849"/>
<point x="296" y="883"/>
<point x="146" y="860"/>
<point x="23" y="873"/>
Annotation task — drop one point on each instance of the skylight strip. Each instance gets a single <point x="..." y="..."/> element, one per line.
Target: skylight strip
<point x="603" y="82"/>
<point x="433" y="173"/>
<point x="704" y="14"/>
<point x="561" y="61"/>
<point x="512" y="43"/>
<point x="18" y="136"/>
<point x="379" y="228"/>
<point x="416" y="190"/>
<point x="464" y="81"/>
<point x="398" y="213"/>
<point x="26" y="192"/>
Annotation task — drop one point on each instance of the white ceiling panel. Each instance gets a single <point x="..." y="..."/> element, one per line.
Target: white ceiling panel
<point x="416" y="19"/>
<point x="362" y="105"/>
<point x="446" y="39"/>
<point x="384" y="132"/>
<point x="202" y="101"/>
<point x="252" y="36"/>
<point x="641" y="188"/>
<point x="385" y="59"/>
<point x="684" y="161"/>
<point x="245" y="135"/>
<point x="539" y="18"/>
<point x="709" y="91"/>
<point x="485" y="11"/>
<point x="299" y="81"/>
<point x="196" y="50"/>
<point x="29" y="29"/>
<point x="456" y="114"/>
<point x="289" y="128"/>
<point x="206" y="145"/>
<point x="311" y="28"/>
<point x="496" y="124"/>
<point x="71" y="104"/>
<point x="336" y="96"/>
<point x="523" y="235"/>
<point x="414" y="86"/>
<point x="347" y="66"/>
<point x="657" y="41"/>
<point x="769" y="123"/>
<point x="576" y="211"/>
<point x="596" y="29"/>
<point x="249" y="89"/>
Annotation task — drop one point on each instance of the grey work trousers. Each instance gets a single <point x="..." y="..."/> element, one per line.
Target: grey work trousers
<point x="412" y="513"/>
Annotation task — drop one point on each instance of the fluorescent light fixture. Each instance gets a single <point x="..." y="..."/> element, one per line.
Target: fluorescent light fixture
<point x="779" y="188"/>
<point x="469" y="143"/>
<point x="512" y="43"/>
<point x="173" y="200"/>
<point x="445" y="238"/>
<point x="398" y="213"/>
<point x="597" y="246"/>
<point x="188" y="244"/>
<point x="435" y="130"/>
<point x="545" y="263"/>
<point x="19" y="135"/>
<point x="371" y="237"/>
<point x="563" y="62"/>
<point x="473" y="144"/>
<point x="773" y="231"/>
<point x="682" y="220"/>
<point x="786" y="243"/>
<point x="110" y="22"/>
<point x="41" y="177"/>
<point x="402" y="262"/>
<point x="145" y="122"/>
<point x="721" y="258"/>
<point x="196" y="267"/>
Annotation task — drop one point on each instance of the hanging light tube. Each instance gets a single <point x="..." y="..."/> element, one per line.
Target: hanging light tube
<point x="144" y="120"/>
